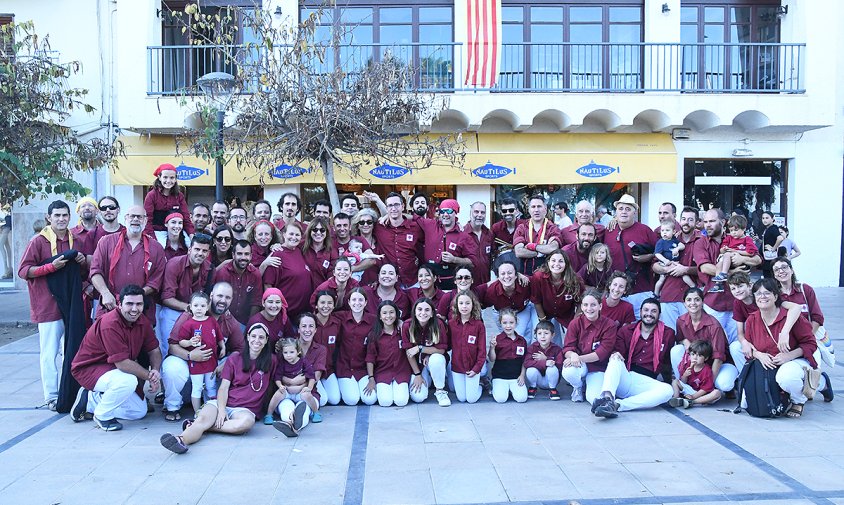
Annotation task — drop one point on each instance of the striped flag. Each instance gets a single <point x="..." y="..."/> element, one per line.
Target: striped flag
<point x="483" y="42"/>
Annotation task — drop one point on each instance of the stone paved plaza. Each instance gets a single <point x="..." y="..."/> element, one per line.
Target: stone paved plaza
<point x="539" y="452"/>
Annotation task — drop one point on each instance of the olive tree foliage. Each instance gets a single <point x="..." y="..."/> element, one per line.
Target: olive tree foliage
<point x="39" y="155"/>
<point x="298" y="105"/>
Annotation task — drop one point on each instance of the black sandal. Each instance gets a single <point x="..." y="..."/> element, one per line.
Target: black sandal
<point x="172" y="415"/>
<point x="173" y="443"/>
<point x="795" y="410"/>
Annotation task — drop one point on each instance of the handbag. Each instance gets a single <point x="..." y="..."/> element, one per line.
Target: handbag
<point x="769" y="255"/>
<point x="811" y="381"/>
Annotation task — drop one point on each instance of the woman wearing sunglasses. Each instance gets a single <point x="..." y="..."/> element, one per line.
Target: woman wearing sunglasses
<point x="363" y="225"/>
<point x="221" y="245"/>
<point x="318" y="251"/>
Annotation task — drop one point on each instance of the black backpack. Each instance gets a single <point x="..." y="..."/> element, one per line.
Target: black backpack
<point x="758" y="386"/>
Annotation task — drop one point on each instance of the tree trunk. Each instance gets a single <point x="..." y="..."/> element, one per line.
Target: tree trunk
<point x="327" y="165"/>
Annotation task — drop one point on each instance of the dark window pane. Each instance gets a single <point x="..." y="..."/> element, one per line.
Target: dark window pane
<point x="583" y="14"/>
<point x="741" y="14"/>
<point x="688" y="14"/>
<point x="512" y="14"/>
<point x="625" y="14"/>
<point x="546" y="14"/>
<point x="396" y="15"/>
<point x="714" y="14"/>
<point x="434" y="14"/>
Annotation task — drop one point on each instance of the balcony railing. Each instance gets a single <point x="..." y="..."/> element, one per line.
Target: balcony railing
<point x="527" y="67"/>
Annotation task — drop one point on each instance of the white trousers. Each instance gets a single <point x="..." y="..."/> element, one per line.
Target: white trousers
<point x="50" y="337"/>
<point x="174" y="376"/>
<point x="503" y="388"/>
<point x="394" y="393"/>
<point x="725" y="380"/>
<point x="329" y="391"/>
<point x="286" y="407"/>
<point x="669" y="312"/>
<point x="633" y="390"/>
<point x="467" y="389"/>
<point x="576" y="376"/>
<point x="114" y="396"/>
<point x="352" y="391"/>
<point x="727" y="322"/>
<point x="636" y="300"/>
<point x="206" y="380"/>
<point x="790" y="378"/>
<point x="536" y="379"/>
<point x="434" y="372"/>
<point x="525" y="321"/>
<point x="165" y="319"/>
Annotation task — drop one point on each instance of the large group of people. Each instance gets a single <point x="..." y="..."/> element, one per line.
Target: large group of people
<point x="252" y="317"/>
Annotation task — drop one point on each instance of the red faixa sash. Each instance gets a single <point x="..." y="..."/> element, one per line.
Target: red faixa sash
<point x="658" y="335"/>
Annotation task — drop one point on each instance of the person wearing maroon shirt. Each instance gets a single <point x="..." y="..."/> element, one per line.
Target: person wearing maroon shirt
<point x="245" y="280"/>
<point x="164" y="198"/>
<point x="219" y="214"/>
<point x="696" y="324"/>
<point x="463" y="281"/>
<point x="425" y="341"/>
<point x="789" y="359"/>
<point x="318" y="249"/>
<point x="128" y="257"/>
<point x="628" y="243"/>
<point x="291" y="275"/>
<point x="706" y="252"/>
<point x="555" y="291"/>
<point x="398" y="238"/>
<point x="262" y="210"/>
<point x="642" y="353"/>
<point x="106" y="364"/>
<point x="507" y="356"/>
<point x="289" y="205"/>
<point x="482" y="240"/>
<point x="612" y="306"/>
<point x="342" y="228"/>
<point x="84" y="232"/>
<point x="387" y="289"/>
<point x="34" y="268"/>
<point x="175" y="374"/>
<point x="537" y="237"/>
<point x="355" y="328"/>
<point x="507" y="292"/>
<point x="265" y="240"/>
<point x="316" y="354"/>
<point x="584" y="213"/>
<point x="467" y="335"/>
<point x="667" y="213"/>
<point x="175" y="243"/>
<point x="671" y="297"/>
<point x="386" y="362"/>
<point x="201" y="217"/>
<point x="445" y="246"/>
<point x="183" y="276"/>
<point x="578" y="251"/>
<point x="244" y="382"/>
<point x="109" y="212"/>
<point x="237" y="222"/>
<point x="340" y="284"/>
<point x="427" y="282"/>
<point x="363" y="226"/>
<point x="327" y="329"/>
<point x="503" y="231"/>
<point x="274" y="316"/>
<point x="543" y="361"/>
<point x="590" y="340"/>
<point x="796" y="292"/>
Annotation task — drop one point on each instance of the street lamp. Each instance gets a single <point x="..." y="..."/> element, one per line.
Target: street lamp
<point x="218" y="87"/>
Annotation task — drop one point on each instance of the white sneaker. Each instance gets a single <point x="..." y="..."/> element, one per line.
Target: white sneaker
<point x="577" y="395"/>
<point x="442" y="397"/>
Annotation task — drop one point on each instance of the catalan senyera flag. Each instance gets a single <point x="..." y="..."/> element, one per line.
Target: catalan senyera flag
<point x="482" y="54"/>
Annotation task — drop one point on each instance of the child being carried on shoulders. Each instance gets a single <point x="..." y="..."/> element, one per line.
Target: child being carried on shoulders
<point x="735" y="243"/>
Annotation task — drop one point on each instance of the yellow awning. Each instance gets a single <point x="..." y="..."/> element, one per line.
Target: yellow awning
<point x="491" y="158"/>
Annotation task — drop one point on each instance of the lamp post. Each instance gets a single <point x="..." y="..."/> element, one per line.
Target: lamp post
<point x="218" y="87"/>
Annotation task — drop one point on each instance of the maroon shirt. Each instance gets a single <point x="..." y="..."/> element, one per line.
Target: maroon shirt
<point x="398" y="244"/>
<point x="247" y="389"/>
<point x="741" y="310"/>
<point x="642" y="360"/>
<point x="414" y="294"/>
<point x="130" y="266"/>
<point x="468" y="345"/>
<point x="619" y="243"/>
<point x="674" y="287"/>
<point x="554" y="302"/>
<point x="401" y="300"/>
<point x="584" y="336"/>
<point x="341" y="303"/>
<point x="293" y="279"/>
<point x="622" y="313"/>
<point x="211" y="336"/>
<point x="321" y="264"/>
<point x="317" y="356"/>
<point x="109" y="340"/>
<point x="286" y="370"/>
<point x="577" y="259"/>
<point x="158" y="207"/>
<point x="279" y="327"/>
<point x="495" y="296"/>
<point x="326" y="335"/>
<point x="229" y="327"/>
<point x="804" y="296"/>
<point x="596" y="278"/>
<point x="706" y="251"/>
<point x="179" y="280"/>
<point x="170" y="253"/>
<point x="100" y="232"/>
<point x="482" y="259"/>
<point x="259" y="254"/>
<point x="84" y="240"/>
<point x="247" y="288"/>
<point x="527" y="234"/>
<point x="510" y="348"/>
<point x="351" y="351"/>
<point x="709" y="329"/>
<point x="424" y="339"/>
<point x="553" y="352"/>
<point x="569" y="234"/>
<point x="702" y="380"/>
<point x="444" y="305"/>
<point x="340" y="249"/>
<point x="502" y="238"/>
<point x="388" y="358"/>
<point x="42" y="305"/>
<point x="800" y="336"/>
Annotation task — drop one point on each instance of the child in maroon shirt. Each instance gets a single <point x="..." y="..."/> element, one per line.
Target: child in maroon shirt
<point x="696" y="385"/>
<point x="543" y="361"/>
<point x="201" y="330"/>
<point x="507" y="355"/>
<point x="295" y="379"/>
<point x="467" y="335"/>
<point x="736" y="243"/>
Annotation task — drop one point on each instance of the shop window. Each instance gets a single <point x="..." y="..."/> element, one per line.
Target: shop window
<point x="597" y="194"/>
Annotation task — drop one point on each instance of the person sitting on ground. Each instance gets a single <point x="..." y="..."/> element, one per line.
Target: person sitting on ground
<point x="667" y="249"/>
<point x="295" y="379"/>
<point x="543" y="361"/>
<point x="696" y="384"/>
<point x="425" y="341"/>
<point x="612" y="305"/>
<point x="245" y="380"/>
<point x="736" y="243"/>
<point x="202" y="331"/>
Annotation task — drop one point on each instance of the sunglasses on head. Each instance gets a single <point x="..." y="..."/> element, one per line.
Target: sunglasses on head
<point x="108" y="207"/>
<point x="447" y="211"/>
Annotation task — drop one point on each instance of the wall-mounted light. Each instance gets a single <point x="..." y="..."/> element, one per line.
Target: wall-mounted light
<point x="681" y="133"/>
<point x="742" y="153"/>
<point x="277" y="12"/>
<point x="665" y="8"/>
<point x="782" y="10"/>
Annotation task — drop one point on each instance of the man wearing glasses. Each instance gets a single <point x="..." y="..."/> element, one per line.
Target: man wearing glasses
<point x="445" y="246"/>
<point x="502" y="233"/>
<point x="245" y="280"/>
<point x="109" y="211"/>
<point x="397" y="238"/>
<point x="237" y="222"/>
<point x="537" y="237"/>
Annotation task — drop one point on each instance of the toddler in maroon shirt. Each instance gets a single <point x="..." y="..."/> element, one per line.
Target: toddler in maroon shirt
<point x="735" y="243"/>
<point x="295" y="379"/>
<point x="201" y="330"/>
<point x="696" y="384"/>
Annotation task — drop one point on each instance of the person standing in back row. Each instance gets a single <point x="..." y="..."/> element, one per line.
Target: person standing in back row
<point x="536" y="238"/>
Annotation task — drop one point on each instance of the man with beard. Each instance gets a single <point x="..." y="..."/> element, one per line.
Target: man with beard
<point x="109" y="210"/>
<point x="667" y="213"/>
<point x="481" y="236"/>
<point x="672" y="291"/>
<point x="174" y="371"/>
<point x="84" y="232"/>
<point x="584" y="213"/>
<point x="419" y="204"/>
<point x="245" y="280"/>
<point x="397" y="238"/>
<point x="342" y="228"/>
<point x="289" y="205"/>
<point x="631" y="246"/>
<point x="107" y="368"/>
<point x="183" y="276"/>
<point x="201" y="217"/>
<point x="322" y="208"/>
<point x="349" y="205"/>
<point x="536" y="238"/>
<point x="237" y="222"/>
<point x="578" y="251"/>
<point x="128" y="257"/>
<point x="503" y="230"/>
<point x="219" y="214"/>
<point x="642" y="352"/>
<point x="706" y="252"/>
<point x="445" y="246"/>
<point x="262" y="210"/>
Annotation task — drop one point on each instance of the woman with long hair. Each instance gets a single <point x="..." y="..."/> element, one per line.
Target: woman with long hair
<point x="340" y="283"/>
<point x="388" y="289"/>
<point x="222" y="242"/>
<point x="264" y="239"/>
<point x="355" y="327"/>
<point x="428" y="286"/>
<point x="291" y="274"/>
<point x="363" y="226"/>
<point x="327" y="330"/>
<point x="555" y="292"/>
<point x="318" y="250"/>
<point x="164" y="198"/>
<point x="177" y="240"/>
<point x="425" y="341"/>
<point x="386" y="362"/>
<point x="590" y="341"/>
